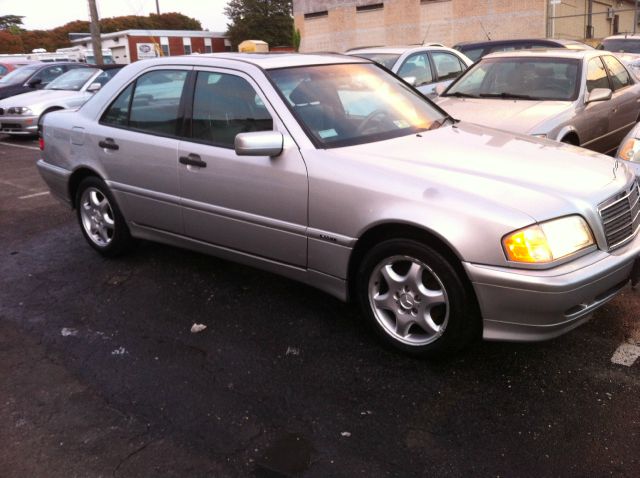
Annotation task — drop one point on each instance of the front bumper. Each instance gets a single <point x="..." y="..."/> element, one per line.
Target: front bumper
<point x="24" y="125"/>
<point x="531" y="305"/>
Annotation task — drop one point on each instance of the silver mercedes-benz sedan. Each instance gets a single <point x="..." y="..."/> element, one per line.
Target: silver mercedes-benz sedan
<point x="583" y="97"/>
<point x="331" y="171"/>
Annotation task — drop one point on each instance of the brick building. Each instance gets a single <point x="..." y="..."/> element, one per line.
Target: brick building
<point x="337" y="25"/>
<point x="131" y="45"/>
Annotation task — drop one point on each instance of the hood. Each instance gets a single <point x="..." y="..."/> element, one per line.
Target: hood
<point x="34" y="98"/>
<point x="540" y="178"/>
<point x="519" y="116"/>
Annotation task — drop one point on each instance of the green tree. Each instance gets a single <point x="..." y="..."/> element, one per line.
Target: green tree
<point x="296" y="39"/>
<point x="11" y="22"/>
<point x="267" y="20"/>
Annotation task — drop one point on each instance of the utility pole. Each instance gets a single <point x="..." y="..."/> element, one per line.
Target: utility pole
<point x="635" y="17"/>
<point x="96" y="42"/>
<point x="158" y="6"/>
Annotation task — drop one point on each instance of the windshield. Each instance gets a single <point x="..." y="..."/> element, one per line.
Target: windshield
<point x="20" y="75"/>
<point x="621" y="44"/>
<point x="385" y="59"/>
<point x="72" y="80"/>
<point x="347" y="104"/>
<point x="520" y="78"/>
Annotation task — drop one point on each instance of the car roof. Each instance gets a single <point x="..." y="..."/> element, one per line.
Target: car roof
<point x="107" y="66"/>
<point x="509" y="40"/>
<point x="265" y="61"/>
<point x="548" y="53"/>
<point x="396" y="50"/>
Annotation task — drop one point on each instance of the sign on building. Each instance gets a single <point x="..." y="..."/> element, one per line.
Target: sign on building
<point x="146" y="50"/>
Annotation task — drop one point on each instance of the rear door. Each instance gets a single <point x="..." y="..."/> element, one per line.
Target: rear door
<point x="416" y="69"/>
<point x="137" y="144"/>
<point x="252" y="204"/>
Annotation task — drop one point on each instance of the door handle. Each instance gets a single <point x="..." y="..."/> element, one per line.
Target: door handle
<point x="192" y="160"/>
<point x="108" y="143"/>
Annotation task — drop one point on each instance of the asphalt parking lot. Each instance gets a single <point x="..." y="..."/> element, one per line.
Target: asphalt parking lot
<point x="101" y="376"/>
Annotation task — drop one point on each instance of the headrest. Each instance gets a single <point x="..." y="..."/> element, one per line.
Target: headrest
<point x="304" y="94"/>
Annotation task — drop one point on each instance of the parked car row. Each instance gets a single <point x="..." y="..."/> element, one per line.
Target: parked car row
<point x="30" y="92"/>
<point x="335" y="172"/>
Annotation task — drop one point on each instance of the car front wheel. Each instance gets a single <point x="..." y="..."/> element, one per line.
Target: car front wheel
<point x="414" y="299"/>
<point x="101" y="221"/>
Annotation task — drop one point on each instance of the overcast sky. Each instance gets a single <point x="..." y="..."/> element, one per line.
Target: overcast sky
<point x="47" y="14"/>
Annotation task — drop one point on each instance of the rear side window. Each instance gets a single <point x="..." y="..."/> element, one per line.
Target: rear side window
<point x="619" y="75"/>
<point x="473" y="53"/>
<point x="151" y="104"/>
<point x="225" y="105"/>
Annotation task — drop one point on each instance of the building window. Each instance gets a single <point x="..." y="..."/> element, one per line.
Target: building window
<point x="370" y="7"/>
<point x="164" y="45"/>
<point x="186" y="42"/>
<point x="207" y="45"/>
<point x="309" y="16"/>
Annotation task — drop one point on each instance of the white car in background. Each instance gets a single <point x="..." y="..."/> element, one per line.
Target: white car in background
<point x="21" y="114"/>
<point x="426" y="67"/>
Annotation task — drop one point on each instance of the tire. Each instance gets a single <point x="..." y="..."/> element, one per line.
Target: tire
<point x="100" y="219"/>
<point x="414" y="300"/>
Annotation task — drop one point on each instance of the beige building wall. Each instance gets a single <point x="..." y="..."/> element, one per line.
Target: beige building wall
<point x="402" y="22"/>
<point x="569" y="19"/>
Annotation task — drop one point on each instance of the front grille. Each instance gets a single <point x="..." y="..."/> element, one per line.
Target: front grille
<point x="621" y="216"/>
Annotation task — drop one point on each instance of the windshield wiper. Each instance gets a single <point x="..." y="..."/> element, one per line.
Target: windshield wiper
<point x="460" y="94"/>
<point x="506" y="95"/>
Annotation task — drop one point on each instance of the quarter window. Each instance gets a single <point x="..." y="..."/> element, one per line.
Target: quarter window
<point x="619" y="75"/>
<point x="447" y="65"/>
<point x="596" y="75"/>
<point x="417" y="66"/>
<point x="225" y="105"/>
<point x="118" y="112"/>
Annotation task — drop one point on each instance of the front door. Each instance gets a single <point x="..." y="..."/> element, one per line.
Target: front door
<point x="252" y="204"/>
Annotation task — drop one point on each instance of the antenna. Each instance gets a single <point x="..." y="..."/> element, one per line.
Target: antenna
<point x="425" y="34"/>
<point x="485" y="31"/>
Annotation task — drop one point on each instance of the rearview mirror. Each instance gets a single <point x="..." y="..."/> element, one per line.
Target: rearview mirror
<point x="93" y="87"/>
<point x="259" y="143"/>
<point x="599" y="94"/>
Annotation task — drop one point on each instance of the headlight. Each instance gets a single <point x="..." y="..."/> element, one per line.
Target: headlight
<point x="630" y="150"/>
<point x="18" y="110"/>
<point x="548" y="241"/>
<point x="539" y="135"/>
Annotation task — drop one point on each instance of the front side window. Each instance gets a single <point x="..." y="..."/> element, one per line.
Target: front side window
<point x="596" y="75"/>
<point x="448" y="66"/>
<point x="225" y="105"/>
<point x="151" y="104"/>
<point x="619" y="75"/>
<point x="520" y="78"/>
<point x="347" y="104"/>
<point x="72" y="80"/>
<point x="418" y="69"/>
<point x="49" y="74"/>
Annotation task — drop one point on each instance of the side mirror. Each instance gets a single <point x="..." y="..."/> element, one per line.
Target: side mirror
<point x="599" y="94"/>
<point x="34" y="83"/>
<point x="410" y="79"/>
<point x="259" y="143"/>
<point x="93" y="87"/>
<point x="440" y="89"/>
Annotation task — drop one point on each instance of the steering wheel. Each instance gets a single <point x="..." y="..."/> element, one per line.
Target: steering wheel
<point x="375" y="115"/>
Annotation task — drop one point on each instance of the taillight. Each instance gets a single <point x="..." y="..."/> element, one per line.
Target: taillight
<point x="41" y="143"/>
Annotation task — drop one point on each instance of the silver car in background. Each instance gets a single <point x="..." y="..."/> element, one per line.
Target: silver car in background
<point x="587" y="98"/>
<point x="629" y="149"/>
<point x="426" y="67"/>
<point x="21" y="114"/>
<point x="330" y="171"/>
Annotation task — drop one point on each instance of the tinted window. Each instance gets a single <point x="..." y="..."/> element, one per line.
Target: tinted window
<point x="156" y="101"/>
<point x="3" y="70"/>
<point x="385" y="59"/>
<point x="619" y="75"/>
<point x="417" y="66"/>
<point x="49" y="74"/>
<point x="118" y="112"/>
<point x="596" y="75"/>
<point x="473" y="53"/>
<point x="104" y="77"/>
<point x="447" y="65"/>
<point x="225" y="105"/>
<point x="622" y="44"/>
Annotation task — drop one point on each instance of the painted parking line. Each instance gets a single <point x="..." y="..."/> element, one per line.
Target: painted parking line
<point x="34" y="148"/>
<point x="28" y="196"/>
<point x="626" y="354"/>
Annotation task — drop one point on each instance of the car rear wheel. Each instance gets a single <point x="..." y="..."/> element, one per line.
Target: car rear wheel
<point x="101" y="221"/>
<point x="414" y="299"/>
